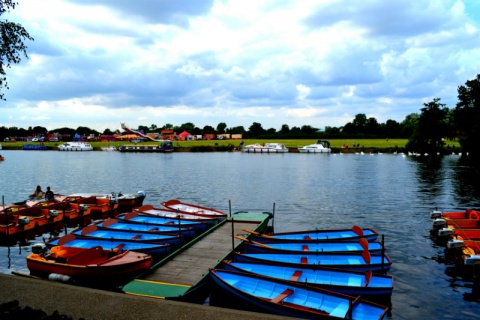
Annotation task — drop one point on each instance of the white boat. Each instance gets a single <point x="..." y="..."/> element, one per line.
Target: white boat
<point x="321" y="146"/>
<point x="267" y="148"/>
<point x="109" y="148"/>
<point x="75" y="146"/>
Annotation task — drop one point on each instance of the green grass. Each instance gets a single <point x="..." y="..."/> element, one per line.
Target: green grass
<point x="290" y="143"/>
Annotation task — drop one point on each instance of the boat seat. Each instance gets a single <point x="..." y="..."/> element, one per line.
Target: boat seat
<point x="282" y="296"/>
<point x="307" y="238"/>
<point x="296" y="275"/>
<point x="305" y="248"/>
<point x="304" y="260"/>
<point x="340" y="310"/>
<point x="89" y="256"/>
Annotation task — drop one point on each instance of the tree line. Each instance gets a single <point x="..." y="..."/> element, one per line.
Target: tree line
<point x="426" y="131"/>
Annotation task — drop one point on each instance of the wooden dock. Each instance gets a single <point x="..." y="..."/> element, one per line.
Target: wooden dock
<point x="185" y="270"/>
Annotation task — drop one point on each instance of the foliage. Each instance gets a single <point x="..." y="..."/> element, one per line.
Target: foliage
<point x="431" y="128"/>
<point x="12" y="47"/>
<point x="467" y="116"/>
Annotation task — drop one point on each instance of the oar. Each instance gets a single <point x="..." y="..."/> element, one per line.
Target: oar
<point x="256" y="233"/>
<point x="254" y="242"/>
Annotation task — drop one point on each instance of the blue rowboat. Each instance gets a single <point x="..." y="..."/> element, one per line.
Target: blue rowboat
<point x="293" y="300"/>
<point x="331" y="246"/>
<point x="156" y="250"/>
<point x="354" y="234"/>
<point x="186" y="233"/>
<point x="135" y="217"/>
<point x="353" y="283"/>
<point x="92" y="231"/>
<point x="350" y="261"/>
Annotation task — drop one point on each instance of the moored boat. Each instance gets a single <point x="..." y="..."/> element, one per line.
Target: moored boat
<point x="290" y="299"/>
<point x="115" y="224"/>
<point x="330" y="246"/>
<point x="351" y="261"/>
<point x="173" y="214"/>
<point x="164" y="147"/>
<point x="89" y="265"/>
<point x="467" y="214"/>
<point x="342" y="281"/>
<point x="322" y="146"/>
<point x="93" y="231"/>
<point x="109" y="148"/>
<point x="34" y="147"/>
<point x="194" y="209"/>
<point x="75" y="146"/>
<point x="156" y="250"/>
<point x="271" y="147"/>
<point x="354" y="234"/>
<point x="135" y="217"/>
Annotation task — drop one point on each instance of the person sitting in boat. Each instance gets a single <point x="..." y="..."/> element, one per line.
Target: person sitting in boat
<point x="49" y="194"/>
<point x="38" y="193"/>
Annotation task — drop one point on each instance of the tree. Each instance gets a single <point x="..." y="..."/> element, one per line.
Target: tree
<point x="256" y="129"/>
<point x="409" y="124"/>
<point x="208" y="129"/>
<point x="285" y="129"/>
<point x="467" y="116"/>
<point x="153" y="127"/>
<point x="221" y="127"/>
<point x="432" y="127"/>
<point x="11" y="43"/>
<point x="360" y="122"/>
<point x="306" y="129"/>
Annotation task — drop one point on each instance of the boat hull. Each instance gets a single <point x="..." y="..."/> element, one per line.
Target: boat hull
<point x="288" y="299"/>
<point x="331" y="246"/>
<point x="350" y="261"/>
<point x="156" y="250"/>
<point x="337" y="280"/>
<point x="354" y="234"/>
<point x="104" y="267"/>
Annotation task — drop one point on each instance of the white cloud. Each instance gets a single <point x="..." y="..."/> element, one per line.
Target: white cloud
<point x="313" y="63"/>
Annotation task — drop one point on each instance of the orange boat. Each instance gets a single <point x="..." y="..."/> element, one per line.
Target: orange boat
<point x="94" y="266"/>
<point x="467" y="214"/>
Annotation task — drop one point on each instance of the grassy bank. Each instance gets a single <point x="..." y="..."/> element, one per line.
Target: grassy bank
<point x="290" y="143"/>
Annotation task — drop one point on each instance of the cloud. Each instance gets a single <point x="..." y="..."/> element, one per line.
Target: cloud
<point x="313" y="63"/>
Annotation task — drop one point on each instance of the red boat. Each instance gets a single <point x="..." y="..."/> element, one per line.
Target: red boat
<point x="89" y="266"/>
<point x="169" y="213"/>
<point x="194" y="209"/>
<point x="467" y="214"/>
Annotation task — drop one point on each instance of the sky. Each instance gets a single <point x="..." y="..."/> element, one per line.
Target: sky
<point x="97" y="63"/>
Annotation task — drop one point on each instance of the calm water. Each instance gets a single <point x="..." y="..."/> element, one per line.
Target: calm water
<point x="390" y="193"/>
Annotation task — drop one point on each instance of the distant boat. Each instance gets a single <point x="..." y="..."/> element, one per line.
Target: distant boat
<point x="34" y="147"/>
<point x="75" y="146"/>
<point x="293" y="300"/>
<point x="109" y="148"/>
<point x="271" y="147"/>
<point x="166" y="146"/>
<point x="321" y="146"/>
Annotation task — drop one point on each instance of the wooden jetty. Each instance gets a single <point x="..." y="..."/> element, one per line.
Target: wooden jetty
<point x="183" y="275"/>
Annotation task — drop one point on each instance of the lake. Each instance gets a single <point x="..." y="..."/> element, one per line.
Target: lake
<point x="391" y="193"/>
